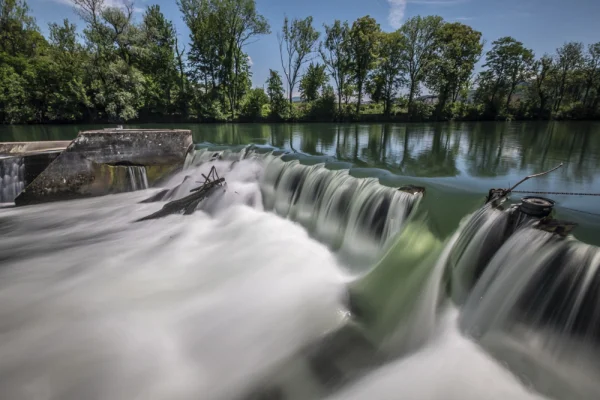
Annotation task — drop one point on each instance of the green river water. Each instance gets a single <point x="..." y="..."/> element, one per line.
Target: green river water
<point x="457" y="162"/>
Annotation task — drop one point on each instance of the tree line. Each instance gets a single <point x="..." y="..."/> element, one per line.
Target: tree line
<point x="120" y="67"/>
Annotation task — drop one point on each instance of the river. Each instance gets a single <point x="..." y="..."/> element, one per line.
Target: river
<point x="311" y="277"/>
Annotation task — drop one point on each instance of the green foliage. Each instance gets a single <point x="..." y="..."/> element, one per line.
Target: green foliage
<point x="254" y="103"/>
<point x="420" y="36"/>
<point x="336" y="55"/>
<point x="219" y="31"/>
<point x="364" y="50"/>
<point x="121" y="94"/>
<point x="509" y="63"/>
<point x="120" y="66"/>
<point x="458" y="49"/>
<point x="419" y="111"/>
<point x="313" y="80"/>
<point x="276" y="95"/>
<point x="324" y="108"/>
<point x="388" y="77"/>
<point x="14" y="107"/>
<point x="158" y="62"/>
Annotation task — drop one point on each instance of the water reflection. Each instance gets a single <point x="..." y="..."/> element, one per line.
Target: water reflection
<point x="497" y="151"/>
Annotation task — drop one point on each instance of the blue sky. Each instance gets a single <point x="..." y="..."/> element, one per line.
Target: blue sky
<point x="542" y="25"/>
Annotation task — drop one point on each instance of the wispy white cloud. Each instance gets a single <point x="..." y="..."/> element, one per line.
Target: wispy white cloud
<point x="398" y="8"/>
<point x="463" y="18"/>
<point x="396" y="15"/>
<point x="250" y="62"/>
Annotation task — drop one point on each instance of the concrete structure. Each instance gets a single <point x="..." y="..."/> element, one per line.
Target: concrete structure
<point x="25" y="148"/>
<point x="101" y="162"/>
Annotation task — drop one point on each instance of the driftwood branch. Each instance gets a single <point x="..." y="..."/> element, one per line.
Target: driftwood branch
<point x="188" y="204"/>
<point x="534" y="176"/>
<point x="495" y="194"/>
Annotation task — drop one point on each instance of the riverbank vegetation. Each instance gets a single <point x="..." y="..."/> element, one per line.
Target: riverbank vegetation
<point x="118" y="66"/>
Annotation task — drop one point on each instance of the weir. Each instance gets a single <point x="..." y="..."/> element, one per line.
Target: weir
<point x="525" y="289"/>
<point x="356" y="217"/>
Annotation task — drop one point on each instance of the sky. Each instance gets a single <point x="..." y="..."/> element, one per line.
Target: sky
<point x="542" y="25"/>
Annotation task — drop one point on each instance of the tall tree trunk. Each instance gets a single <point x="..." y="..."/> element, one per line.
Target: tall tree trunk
<point x="543" y="101"/>
<point x="360" y="90"/>
<point x="587" y="93"/>
<point x="561" y="94"/>
<point x="510" y="93"/>
<point x="411" y="93"/>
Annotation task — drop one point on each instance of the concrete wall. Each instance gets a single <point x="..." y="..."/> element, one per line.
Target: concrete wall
<point x="79" y="172"/>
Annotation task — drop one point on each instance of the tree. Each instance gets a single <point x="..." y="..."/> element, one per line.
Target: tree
<point x="508" y="63"/>
<point x="335" y="54"/>
<point x="276" y="94"/>
<point x="18" y="32"/>
<point x="313" y="80"/>
<point x="388" y="76"/>
<point x="297" y="42"/>
<point x="349" y="91"/>
<point x="159" y="63"/>
<point x="459" y="48"/>
<point x="591" y="69"/>
<point x="518" y="69"/>
<point x="542" y="74"/>
<point x="324" y="107"/>
<point x="363" y="49"/>
<point x="420" y="36"/>
<point x="68" y="98"/>
<point x="219" y="31"/>
<point x="569" y="58"/>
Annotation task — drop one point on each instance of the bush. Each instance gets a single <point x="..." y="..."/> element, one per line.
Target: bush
<point x="419" y="111"/>
<point x="252" y="106"/>
<point x="208" y="109"/>
<point x="575" y="110"/>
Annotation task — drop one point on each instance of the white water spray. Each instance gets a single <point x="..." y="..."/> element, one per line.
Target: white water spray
<point x="12" y="178"/>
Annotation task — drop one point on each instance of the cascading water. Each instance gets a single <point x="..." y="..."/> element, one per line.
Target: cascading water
<point x="356" y="217"/>
<point x="531" y="298"/>
<point x="137" y="177"/>
<point x="537" y="307"/>
<point x="12" y="178"/>
<point x="233" y="302"/>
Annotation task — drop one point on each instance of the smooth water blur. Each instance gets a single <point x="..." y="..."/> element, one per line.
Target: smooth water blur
<point x="250" y="298"/>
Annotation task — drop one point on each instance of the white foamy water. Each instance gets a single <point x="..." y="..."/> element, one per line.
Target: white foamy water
<point x="448" y="368"/>
<point x="206" y="306"/>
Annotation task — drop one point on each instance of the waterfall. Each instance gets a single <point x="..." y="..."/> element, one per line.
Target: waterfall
<point x="531" y="299"/>
<point x="12" y="178"/>
<point x="355" y="216"/>
<point x="137" y="178"/>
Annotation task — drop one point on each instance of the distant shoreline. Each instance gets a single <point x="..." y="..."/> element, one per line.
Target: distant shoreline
<point x="363" y="119"/>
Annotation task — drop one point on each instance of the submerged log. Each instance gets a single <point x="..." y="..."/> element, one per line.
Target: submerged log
<point x="188" y="204"/>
